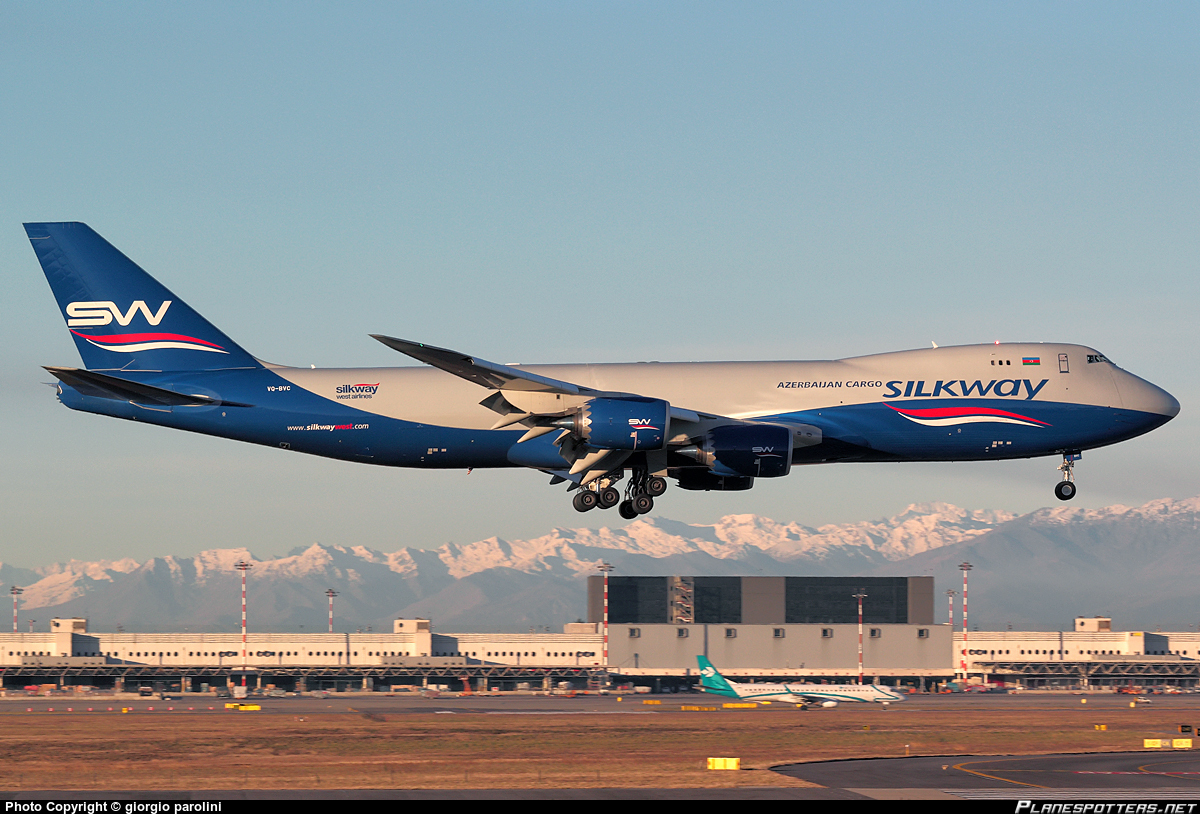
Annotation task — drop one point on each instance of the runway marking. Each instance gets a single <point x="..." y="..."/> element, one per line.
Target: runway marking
<point x="960" y="767"/>
<point x="1181" y="775"/>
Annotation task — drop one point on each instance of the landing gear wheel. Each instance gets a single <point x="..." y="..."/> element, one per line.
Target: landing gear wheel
<point x="609" y="497"/>
<point x="656" y="486"/>
<point x="626" y="510"/>
<point x="1066" y="487"/>
<point x="585" y="500"/>
<point x="642" y="504"/>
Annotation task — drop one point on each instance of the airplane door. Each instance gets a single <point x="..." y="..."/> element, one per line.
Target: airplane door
<point x="1062" y="364"/>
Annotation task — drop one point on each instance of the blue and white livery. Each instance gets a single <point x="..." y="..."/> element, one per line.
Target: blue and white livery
<point x="708" y="425"/>
<point x="825" y="695"/>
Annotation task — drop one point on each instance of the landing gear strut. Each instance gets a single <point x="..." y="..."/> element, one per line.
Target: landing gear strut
<point x="600" y="494"/>
<point x="640" y="493"/>
<point x="1066" y="487"/>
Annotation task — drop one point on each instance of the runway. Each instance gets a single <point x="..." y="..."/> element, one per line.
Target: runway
<point x="1118" y="775"/>
<point x="1140" y="775"/>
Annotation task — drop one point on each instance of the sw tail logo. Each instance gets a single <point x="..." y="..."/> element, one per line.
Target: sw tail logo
<point x="85" y="314"/>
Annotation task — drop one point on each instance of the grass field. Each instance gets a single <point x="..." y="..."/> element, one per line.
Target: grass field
<point x="225" y="750"/>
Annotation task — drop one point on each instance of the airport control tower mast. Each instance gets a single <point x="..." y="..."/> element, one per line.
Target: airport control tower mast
<point x="606" y="569"/>
<point x="860" y="596"/>
<point x="243" y="566"/>
<point x="331" y="594"/>
<point x="15" y="593"/>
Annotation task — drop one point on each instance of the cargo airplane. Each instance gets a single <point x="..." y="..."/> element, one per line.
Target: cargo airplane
<point x="707" y="425"/>
<point x="825" y="695"/>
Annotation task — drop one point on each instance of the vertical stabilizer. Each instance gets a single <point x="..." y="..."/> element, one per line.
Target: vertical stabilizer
<point x="712" y="681"/>
<point x="120" y="317"/>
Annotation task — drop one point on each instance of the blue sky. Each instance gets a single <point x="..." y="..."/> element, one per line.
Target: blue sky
<point x="571" y="182"/>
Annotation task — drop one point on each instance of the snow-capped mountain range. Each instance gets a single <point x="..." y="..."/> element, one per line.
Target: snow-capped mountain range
<point x="1033" y="571"/>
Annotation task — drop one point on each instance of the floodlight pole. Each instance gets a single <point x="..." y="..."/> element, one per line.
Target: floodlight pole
<point x="15" y="593"/>
<point x="331" y="594"/>
<point x="605" y="568"/>
<point x="243" y="566"/>
<point x="950" y="602"/>
<point x="965" y="568"/>
<point x="860" y="596"/>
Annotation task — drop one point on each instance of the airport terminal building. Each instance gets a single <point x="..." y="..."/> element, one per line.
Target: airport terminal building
<point x="788" y="628"/>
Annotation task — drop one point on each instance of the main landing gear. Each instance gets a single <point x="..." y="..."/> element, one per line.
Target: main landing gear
<point x="1066" y="487"/>
<point x="639" y="494"/>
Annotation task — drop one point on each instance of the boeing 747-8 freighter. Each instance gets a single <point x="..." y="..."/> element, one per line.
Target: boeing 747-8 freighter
<point x="708" y="425"/>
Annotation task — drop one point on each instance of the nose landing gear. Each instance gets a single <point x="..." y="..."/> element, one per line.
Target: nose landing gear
<point x="1065" y="490"/>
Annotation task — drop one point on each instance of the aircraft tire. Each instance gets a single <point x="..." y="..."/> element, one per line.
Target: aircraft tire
<point x="1065" y="490"/>
<point x="626" y="510"/>
<point x="609" y="497"/>
<point x="643" y="504"/>
<point x="585" y="500"/>
<point x="656" y="486"/>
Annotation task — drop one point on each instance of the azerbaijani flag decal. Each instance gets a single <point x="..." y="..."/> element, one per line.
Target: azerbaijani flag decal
<point x="950" y="416"/>
<point x="1031" y="360"/>
<point x="134" y="343"/>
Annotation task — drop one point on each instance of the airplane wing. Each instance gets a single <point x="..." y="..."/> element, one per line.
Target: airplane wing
<point x="598" y="431"/>
<point x="480" y="371"/>
<point x="509" y="379"/>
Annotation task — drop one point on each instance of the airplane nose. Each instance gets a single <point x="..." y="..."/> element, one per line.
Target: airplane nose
<point x="1139" y="394"/>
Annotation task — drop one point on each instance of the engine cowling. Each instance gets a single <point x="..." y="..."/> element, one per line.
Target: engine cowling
<point x="633" y="423"/>
<point x="745" y="450"/>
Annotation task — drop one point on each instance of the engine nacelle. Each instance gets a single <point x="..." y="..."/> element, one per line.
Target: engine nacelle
<point x="745" y="450"/>
<point x="829" y="704"/>
<point x="633" y="423"/>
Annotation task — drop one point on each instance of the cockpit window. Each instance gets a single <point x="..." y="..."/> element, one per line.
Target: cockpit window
<point x="1097" y="357"/>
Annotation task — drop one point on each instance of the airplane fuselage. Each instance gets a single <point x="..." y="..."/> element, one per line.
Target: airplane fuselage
<point x="805" y="694"/>
<point x="150" y="357"/>
<point x="977" y="402"/>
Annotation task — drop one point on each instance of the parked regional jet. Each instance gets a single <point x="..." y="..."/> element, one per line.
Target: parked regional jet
<point x="825" y="695"/>
<point x="708" y="425"/>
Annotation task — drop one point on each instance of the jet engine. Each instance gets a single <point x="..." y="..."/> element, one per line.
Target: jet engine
<point x="632" y="423"/>
<point x="829" y="704"/>
<point x="744" y="450"/>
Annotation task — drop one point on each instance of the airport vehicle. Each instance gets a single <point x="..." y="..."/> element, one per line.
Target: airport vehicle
<point x="708" y="425"/>
<point x="805" y="695"/>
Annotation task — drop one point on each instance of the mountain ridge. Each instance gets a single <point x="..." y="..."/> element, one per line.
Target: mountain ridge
<point x="1033" y="568"/>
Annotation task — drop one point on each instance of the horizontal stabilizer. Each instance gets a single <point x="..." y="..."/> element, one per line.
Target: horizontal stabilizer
<point x="102" y="386"/>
